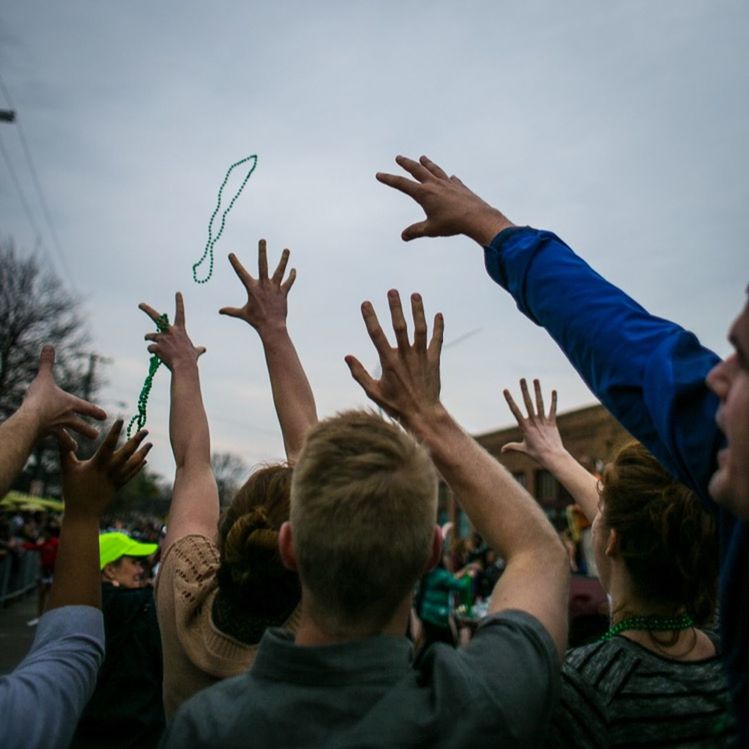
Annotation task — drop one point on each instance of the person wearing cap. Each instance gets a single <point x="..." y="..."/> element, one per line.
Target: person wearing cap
<point x="126" y="708"/>
<point x="120" y="559"/>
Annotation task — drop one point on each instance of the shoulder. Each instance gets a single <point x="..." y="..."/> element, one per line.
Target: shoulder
<point x="206" y="717"/>
<point x="191" y="554"/>
<point x="604" y="666"/>
<point x="511" y="642"/>
<point x="187" y="565"/>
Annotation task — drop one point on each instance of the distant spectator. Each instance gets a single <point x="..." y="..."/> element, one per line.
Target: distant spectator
<point x="126" y="707"/>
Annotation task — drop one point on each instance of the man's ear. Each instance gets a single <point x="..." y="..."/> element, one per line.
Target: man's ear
<point x="612" y="544"/>
<point x="286" y="547"/>
<point x="107" y="571"/>
<point x="435" y="552"/>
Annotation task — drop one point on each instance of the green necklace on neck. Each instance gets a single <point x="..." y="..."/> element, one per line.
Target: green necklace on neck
<point x="649" y="624"/>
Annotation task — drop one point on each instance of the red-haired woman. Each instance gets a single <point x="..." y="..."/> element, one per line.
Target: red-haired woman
<point x="655" y="678"/>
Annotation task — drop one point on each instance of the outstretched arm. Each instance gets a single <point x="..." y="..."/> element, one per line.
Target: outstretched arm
<point x="59" y="672"/>
<point x="88" y="489"/>
<point x="542" y="442"/>
<point x="195" y="506"/>
<point x="266" y="309"/>
<point x="649" y="372"/>
<point x="536" y="576"/>
<point x="46" y="409"/>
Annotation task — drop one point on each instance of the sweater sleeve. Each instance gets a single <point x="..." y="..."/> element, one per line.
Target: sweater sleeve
<point x="649" y="372"/>
<point x="42" y="699"/>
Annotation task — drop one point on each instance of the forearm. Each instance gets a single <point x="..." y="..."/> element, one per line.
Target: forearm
<point x="580" y="483"/>
<point x="647" y="371"/>
<point x="536" y="577"/>
<point x="18" y="434"/>
<point x="77" y="578"/>
<point x="292" y="394"/>
<point x="195" y="504"/>
<point x="188" y="424"/>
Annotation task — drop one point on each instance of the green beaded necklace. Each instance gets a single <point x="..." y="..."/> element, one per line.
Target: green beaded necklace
<point x="163" y="322"/>
<point x="209" y="245"/>
<point x="162" y="325"/>
<point x="649" y="623"/>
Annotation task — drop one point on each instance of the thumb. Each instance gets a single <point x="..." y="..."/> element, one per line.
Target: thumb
<point x="67" y="456"/>
<point x="65" y="442"/>
<point x="415" y="231"/>
<point x="360" y="374"/>
<point x="46" y="358"/>
<point x="201" y="350"/>
<point x="518" y="447"/>
<point x="230" y="311"/>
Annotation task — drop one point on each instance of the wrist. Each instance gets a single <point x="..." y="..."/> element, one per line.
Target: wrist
<point x="272" y="329"/>
<point x="428" y="425"/>
<point x="81" y="515"/>
<point x="31" y="417"/>
<point x="485" y="223"/>
<point x="184" y="365"/>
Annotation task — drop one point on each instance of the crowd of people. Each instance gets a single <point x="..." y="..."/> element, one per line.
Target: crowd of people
<point x="319" y="609"/>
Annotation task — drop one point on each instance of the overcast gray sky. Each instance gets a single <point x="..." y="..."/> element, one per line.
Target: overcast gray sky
<point x="622" y="126"/>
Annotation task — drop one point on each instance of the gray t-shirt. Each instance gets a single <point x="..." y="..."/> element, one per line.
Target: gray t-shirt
<point x="499" y="690"/>
<point x="620" y="694"/>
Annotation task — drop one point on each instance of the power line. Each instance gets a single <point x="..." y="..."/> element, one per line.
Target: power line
<point x="38" y="187"/>
<point x="21" y="196"/>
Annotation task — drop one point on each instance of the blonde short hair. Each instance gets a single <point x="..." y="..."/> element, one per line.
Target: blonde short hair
<point x="363" y="509"/>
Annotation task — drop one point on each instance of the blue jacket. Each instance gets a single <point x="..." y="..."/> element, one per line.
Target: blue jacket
<point x="650" y="373"/>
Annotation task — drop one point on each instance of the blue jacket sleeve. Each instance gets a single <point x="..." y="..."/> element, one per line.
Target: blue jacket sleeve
<point x="648" y="372"/>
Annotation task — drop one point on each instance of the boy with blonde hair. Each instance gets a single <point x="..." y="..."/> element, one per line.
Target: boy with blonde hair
<point x="362" y="531"/>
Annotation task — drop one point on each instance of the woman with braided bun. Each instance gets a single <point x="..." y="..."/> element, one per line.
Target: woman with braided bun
<point x="221" y="580"/>
<point x="655" y="678"/>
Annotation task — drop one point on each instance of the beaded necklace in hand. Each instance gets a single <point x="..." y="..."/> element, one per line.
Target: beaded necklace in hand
<point x="162" y="325"/>
<point x="649" y="624"/>
<point x="163" y="322"/>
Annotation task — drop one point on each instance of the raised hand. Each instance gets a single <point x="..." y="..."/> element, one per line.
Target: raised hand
<point x="54" y="409"/>
<point x="89" y="486"/>
<point x="409" y="386"/>
<point x="541" y="438"/>
<point x="266" y="305"/>
<point x="172" y="345"/>
<point x="450" y="207"/>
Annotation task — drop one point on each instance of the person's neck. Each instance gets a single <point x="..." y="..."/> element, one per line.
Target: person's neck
<point x="686" y="644"/>
<point x="625" y="602"/>
<point x="319" y="630"/>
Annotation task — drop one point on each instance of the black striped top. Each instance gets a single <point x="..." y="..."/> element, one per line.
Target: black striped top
<point x="620" y="694"/>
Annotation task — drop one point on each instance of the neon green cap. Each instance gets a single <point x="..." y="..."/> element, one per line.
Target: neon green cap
<point x="112" y="546"/>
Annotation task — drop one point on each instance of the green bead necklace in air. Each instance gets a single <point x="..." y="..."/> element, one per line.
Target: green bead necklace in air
<point x="163" y="322"/>
<point x="211" y="239"/>
<point x="649" y="623"/>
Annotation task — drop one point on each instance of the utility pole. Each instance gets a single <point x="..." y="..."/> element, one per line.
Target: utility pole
<point x="88" y="380"/>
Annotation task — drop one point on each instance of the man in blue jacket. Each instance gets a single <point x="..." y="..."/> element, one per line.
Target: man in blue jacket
<point x="686" y="405"/>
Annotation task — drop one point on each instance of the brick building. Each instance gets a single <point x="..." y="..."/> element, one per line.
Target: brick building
<point x="591" y="434"/>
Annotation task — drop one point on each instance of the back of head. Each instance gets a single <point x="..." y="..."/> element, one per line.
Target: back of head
<point x="363" y="509"/>
<point x="667" y="541"/>
<point x="253" y="581"/>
